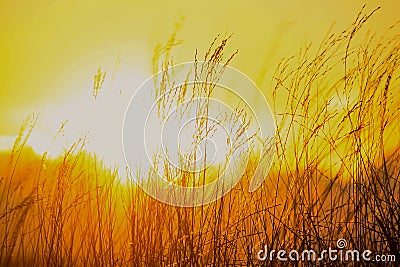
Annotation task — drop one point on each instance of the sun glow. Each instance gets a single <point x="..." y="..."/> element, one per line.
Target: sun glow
<point x="97" y="120"/>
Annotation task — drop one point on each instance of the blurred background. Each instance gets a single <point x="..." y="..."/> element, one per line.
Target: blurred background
<point x="51" y="50"/>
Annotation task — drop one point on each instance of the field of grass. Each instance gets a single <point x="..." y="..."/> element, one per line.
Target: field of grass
<point x="336" y="175"/>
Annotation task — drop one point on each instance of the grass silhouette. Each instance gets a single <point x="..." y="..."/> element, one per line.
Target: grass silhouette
<point x="336" y="175"/>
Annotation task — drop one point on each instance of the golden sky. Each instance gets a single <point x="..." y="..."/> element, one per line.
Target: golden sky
<point x="50" y="50"/>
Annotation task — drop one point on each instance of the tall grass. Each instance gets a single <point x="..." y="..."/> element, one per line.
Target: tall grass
<point x="336" y="175"/>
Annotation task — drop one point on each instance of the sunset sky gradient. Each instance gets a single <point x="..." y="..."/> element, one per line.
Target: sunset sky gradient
<point x="50" y="51"/>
